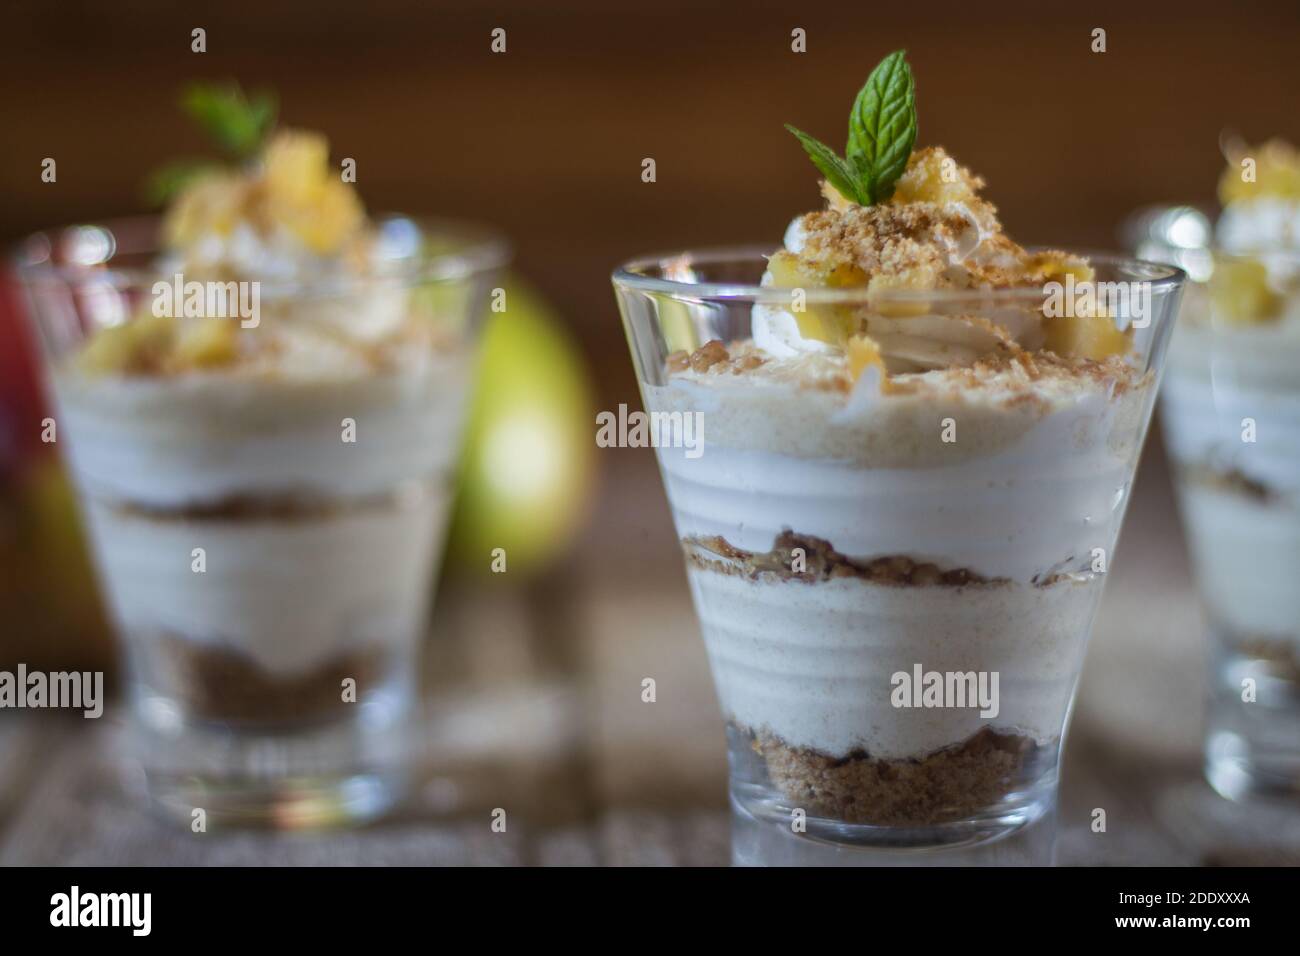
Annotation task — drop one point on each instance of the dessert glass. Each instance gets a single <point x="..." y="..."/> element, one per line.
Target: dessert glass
<point x="841" y="548"/>
<point x="267" y="539"/>
<point x="1231" y="415"/>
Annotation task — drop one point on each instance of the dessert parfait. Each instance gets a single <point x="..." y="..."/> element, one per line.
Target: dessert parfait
<point x="261" y="400"/>
<point x="1231" y="415"/>
<point x="914" y="467"/>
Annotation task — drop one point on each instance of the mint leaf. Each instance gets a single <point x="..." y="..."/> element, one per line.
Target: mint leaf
<point x="167" y="181"/>
<point x="237" y="124"/>
<point x="882" y="127"/>
<point x="837" y="172"/>
<point x="882" y="132"/>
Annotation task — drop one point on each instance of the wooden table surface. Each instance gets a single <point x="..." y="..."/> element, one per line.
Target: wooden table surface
<point x="534" y="705"/>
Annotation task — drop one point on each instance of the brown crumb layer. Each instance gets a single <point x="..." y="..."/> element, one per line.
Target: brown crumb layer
<point x="950" y="784"/>
<point x="286" y="506"/>
<point x="1278" y="653"/>
<point x="1231" y="481"/>
<point x="1013" y="369"/>
<point x="821" y="562"/>
<point x="219" y="684"/>
<point x="713" y="355"/>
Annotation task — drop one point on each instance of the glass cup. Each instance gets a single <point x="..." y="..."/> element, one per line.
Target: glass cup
<point x="267" y="538"/>
<point x="1231" y="415"/>
<point x="895" y="588"/>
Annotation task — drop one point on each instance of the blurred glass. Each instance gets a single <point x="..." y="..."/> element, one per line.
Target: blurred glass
<point x="268" y="574"/>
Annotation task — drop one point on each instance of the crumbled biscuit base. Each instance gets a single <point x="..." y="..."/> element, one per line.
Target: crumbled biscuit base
<point x="1278" y="653"/>
<point x="1230" y="481"/>
<point x="221" y="684"/>
<point x="950" y="784"/>
<point x="1009" y="369"/>
<point x="822" y="563"/>
<point x="713" y="356"/>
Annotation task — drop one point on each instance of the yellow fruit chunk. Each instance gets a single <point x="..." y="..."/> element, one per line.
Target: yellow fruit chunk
<point x="1091" y="337"/>
<point x="832" y="324"/>
<point x="305" y="195"/>
<point x="135" y="346"/>
<point x="863" y="353"/>
<point x="212" y="203"/>
<point x="1055" y="266"/>
<point x="834" y="198"/>
<point x="934" y="176"/>
<point x="206" y="343"/>
<point x="1276" y="172"/>
<point x="297" y="166"/>
<point x="1240" y="293"/>
<point x="325" y="225"/>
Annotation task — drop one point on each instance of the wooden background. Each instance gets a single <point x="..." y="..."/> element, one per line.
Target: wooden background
<point x="546" y="141"/>
<point x="534" y="688"/>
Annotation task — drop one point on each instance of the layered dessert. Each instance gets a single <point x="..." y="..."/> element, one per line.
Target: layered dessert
<point x="1231" y="415"/>
<point x="266" y="487"/>
<point x="912" y="471"/>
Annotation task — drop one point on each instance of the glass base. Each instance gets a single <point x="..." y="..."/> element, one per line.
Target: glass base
<point x="770" y="808"/>
<point x="1252" y="748"/>
<point x="1239" y="769"/>
<point x="767" y="842"/>
<point x="1024" y="800"/>
<point x="290" y="804"/>
<point x="286" y="777"/>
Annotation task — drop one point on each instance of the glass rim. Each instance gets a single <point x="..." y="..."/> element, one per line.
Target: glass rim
<point x="632" y="275"/>
<point x="477" y="249"/>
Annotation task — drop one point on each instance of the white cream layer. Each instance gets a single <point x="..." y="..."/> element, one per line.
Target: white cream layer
<point x="1222" y="387"/>
<point x="288" y="594"/>
<point x="1029" y="489"/>
<point x="202" y="438"/>
<point x="1246" y="554"/>
<point x="1025" y="490"/>
<point x="813" y="663"/>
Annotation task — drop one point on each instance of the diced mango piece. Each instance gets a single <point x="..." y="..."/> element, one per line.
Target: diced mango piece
<point x="934" y="176"/>
<point x="832" y="324"/>
<point x="863" y="353"/>
<point x="211" y="203"/>
<point x="1276" y="172"/>
<point x="1240" y="293"/>
<point x="787" y="271"/>
<point x="134" y="346"/>
<point x="206" y="343"/>
<point x="1055" y="266"/>
<point x="297" y="166"/>
<point x="1093" y="337"/>
<point x="834" y="198"/>
<point x="305" y="195"/>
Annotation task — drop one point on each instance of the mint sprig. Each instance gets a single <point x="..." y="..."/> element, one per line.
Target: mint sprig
<point x="882" y="132"/>
<point x="237" y="124"/>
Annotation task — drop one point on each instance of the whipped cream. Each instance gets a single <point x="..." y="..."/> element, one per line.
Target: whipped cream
<point x="1028" y="488"/>
<point x="289" y="594"/>
<point x="163" y="443"/>
<point x="812" y="664"/>
<point x="1259" y="225"/>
